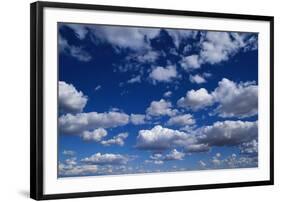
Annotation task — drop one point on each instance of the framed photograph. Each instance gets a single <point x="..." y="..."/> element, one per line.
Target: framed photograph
<point x="136" y="100"/>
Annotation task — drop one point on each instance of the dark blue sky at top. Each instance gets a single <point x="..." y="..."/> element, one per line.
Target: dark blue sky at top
<point x="103" y="70"/>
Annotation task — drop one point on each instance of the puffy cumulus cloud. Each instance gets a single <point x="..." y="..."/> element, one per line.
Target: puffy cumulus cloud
<point x="143" y="57"/>
<point x="163" y="74"/>
<point x="228" y="133"/>
<point x="241" y="162"/>
<point x="190" y="62"/>
<point x="106" y="159"/>
<point x="181" y="120"/>
<point x="155" y="159"/>
<point x="70" y="167"/>
<point x="234" y="161"/>
<point x="76" y="52"/>
<point x="196" y="99"/>
<point x="71" y="161"/>
<point x="160" y="108"/>
<point x="158" y="158"/>
<point x="125" y="37"/>
<point x="137" y="119"/>
<point x="174" y="155"/>
<point x="76" y="124"/>
<point x="77" y="170"/>
<point x="95" y="135"/>
<point x="179" y="36"/>
<point x="70" y="99"/>
<point x="236" y="100"/>
<point x="116" y="140"/>
<point x="217" y="47"/>
<point x="197" y="78"/>
<point x="159" y="138"/>
<point x="118" y="36"/>
<point x="249" y="148"/>
<point x="197" y="148"/>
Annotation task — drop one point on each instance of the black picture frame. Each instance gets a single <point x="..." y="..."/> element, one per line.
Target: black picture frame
<point x="37" y="99"/>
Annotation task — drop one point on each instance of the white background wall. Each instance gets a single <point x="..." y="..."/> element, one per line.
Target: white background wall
<point x="14" y="100"/>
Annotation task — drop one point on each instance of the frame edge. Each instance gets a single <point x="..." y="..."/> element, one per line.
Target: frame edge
<point x="271" y="21"/>
<point x="36" y="101"/>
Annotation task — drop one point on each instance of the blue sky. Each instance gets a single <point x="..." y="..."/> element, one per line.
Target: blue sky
<point x="136" y="100"/>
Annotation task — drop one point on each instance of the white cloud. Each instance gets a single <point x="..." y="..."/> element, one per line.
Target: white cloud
<point x="137" y="60"/>
<point x="70" y="167"/>
<point x="197" y="148"/>
<point x="202" y="164"/>
<point x="179" y="35"/>
<point x="63" y="44"/>
<point x="249" y="148"/>
<point x="126" y="37"/>
<point x="66" y="170"/>
<point x="228" y="133"/>
<point x="236" y="100"/>
<point x="196" y="99"/>
<point x="168" y="94"/>
<point x="197" y="78"/>
<point x="181" y="120"/>
<point x="106" y="159"/>
<point x="68" y="152"/>
<point x="206" y="74"/>
<point x="98" y="87"/>
<point x="158" y="158"/>
<point x="76" y="124"/>
<point x="252" y="44"/>
<point x="137" y="119"/>
<point x="190" y="62"/>
<point x="160" y="108"/>
<point x="174" y="155"/>
<point x="70" y="99"/>
<point x="136" y="79"/>
<point x="216" y="161"/>
<point x="76" y="52"/>
<point x="234" y="161"/>
<point x="71" y="161"/>
<point x="163" y="74"/>
<point x="159" y="138"/>
<point x="217" y="47"/>
<point x="95" y="135"/>
<point x="79" y="29"/>
<point x="116" y="140"/>
<point x="155" y="158"/>
<point x="187" y="48"/>
<point x="148" y="56"/>
<point x="157" y="162"/>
